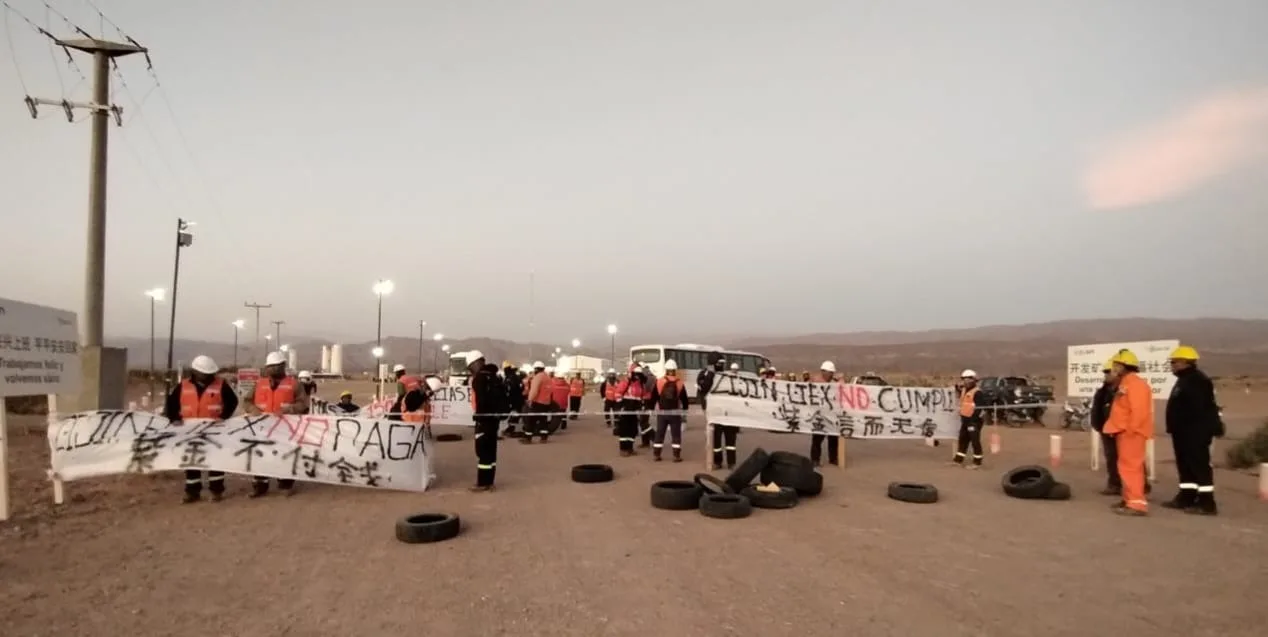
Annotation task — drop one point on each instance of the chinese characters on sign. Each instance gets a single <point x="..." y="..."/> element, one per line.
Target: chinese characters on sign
<point x="1084" y="364"/>
<point x="834" y="409"/>
<point x="332" y="449"/>
<point x="39" y="350"/>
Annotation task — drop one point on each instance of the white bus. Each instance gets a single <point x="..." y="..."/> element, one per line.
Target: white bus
<point x="458" y="374"/>
<point x="691" y="358"/>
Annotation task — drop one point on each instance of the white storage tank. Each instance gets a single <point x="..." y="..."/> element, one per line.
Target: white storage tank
<point x="325" y="358"/>
<point x="336" y="360"/>
<point x="292" y="358"/>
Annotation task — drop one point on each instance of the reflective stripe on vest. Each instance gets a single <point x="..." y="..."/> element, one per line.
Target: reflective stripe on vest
<point x="209" y="405"/>
<point x="272" y="400"/>
<point x="967" y="406"/>
<point x="631" y="390"/>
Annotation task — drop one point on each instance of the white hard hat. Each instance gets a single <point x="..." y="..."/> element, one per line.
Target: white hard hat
<point x="827" y="366"/>
<point x="550" y="370"/>
<point x="539" y="365"/>
<point x="204" y="365"/>
<point x="305" y="374"/>
<point x="612" y="371"/>
<point x="398" y="368"/>
<point x="474" y="355"/>
<point x="968" y="373"/>
<point x="735" y="366"/>
<point x="275" y="358"/>
<point x="434" y="383"/>
<point x="771" y="368"/>
<point x="670" y="365"/>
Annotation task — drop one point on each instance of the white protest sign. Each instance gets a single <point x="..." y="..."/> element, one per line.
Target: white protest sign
<point x="449" y="406"/>
<point x="39" y="350"/>
<point x="1085" y="362"/>
<point x="834" y="409"/>
<point x="328" y="448"/>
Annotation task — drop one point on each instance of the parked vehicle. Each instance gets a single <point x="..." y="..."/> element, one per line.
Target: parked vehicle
<point x="869" y="378"/>
<point x="1031" y="399"/>
<point x="1078" y="415"/>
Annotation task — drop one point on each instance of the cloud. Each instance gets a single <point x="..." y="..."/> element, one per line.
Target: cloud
<point x="1179" y="154"/>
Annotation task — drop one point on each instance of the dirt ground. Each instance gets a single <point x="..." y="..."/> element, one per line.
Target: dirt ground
<point x="545" y="556"/>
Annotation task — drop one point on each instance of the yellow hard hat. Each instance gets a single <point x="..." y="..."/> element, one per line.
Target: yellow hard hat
<point x="1109" y="364"/>
<point x="1184" y="353"/>
<point x="1126" y="357"/>
<point x="762" y="370"/>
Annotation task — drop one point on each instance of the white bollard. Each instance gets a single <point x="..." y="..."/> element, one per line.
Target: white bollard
<point x="994" y="440"/>
<point x="1263" y="482"/>
<point x="1150" y="467"/>
<point x="1094" y="440"/>
<point x="1054" y="451"/>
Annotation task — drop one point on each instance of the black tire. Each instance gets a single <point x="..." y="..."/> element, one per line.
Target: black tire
<point x="785" y="498"/>
<point x="1028" y="482"/>
<point x="914" y="493"/>
<point x="448" y="437"/>
<point x="725" y="506"/>
<point x="710" y="484"/>
<point x="552" y="424"/>
<point x="676" y="495"/>
<point x="806" y="481"/>
<point x="791" y="459"/>
<point x="1059" y="491"/>
<point x="748" y="470"/>
<point x="592" y="473"/>
<point x="425" y="528"/>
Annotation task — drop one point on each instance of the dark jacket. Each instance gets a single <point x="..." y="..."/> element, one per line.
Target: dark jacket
<point x="172" y="406"/>
<point x="1102" y="400"/>
<point x="1191" y="409"/>
<point x="490" y="393"/>
<point x="704" y="382"/>
<point x="514" y="387"/>
<point x="980" y="402"/>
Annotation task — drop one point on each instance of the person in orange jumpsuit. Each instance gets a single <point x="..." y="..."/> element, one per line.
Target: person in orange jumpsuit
<point x="1131" y="423"/>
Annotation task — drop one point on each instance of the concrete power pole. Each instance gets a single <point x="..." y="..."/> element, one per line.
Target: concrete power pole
<point x="103" y="53"/>
<point x="257" y="307"/>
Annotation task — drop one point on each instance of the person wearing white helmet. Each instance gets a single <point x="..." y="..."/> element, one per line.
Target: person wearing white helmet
<point x="413" y="398"/>
<point x="726" y="437"/>
<point x="633" y="393"/>
<point x="735" y="367"/>
<point x="827" y="374"/>
<point x="671" y="400"/>
<point x="559" y="391"/>
<point x="202" y="395"/>
<point x="607" y="389"/>
<point x="646" y="431"/>
<point x="541" y="399"/>
<point x="277" y="394"/>
<point x="971" y="409"/>
<point x="310" y="385"/>
<point x="705" y="380"/>
<point x="514" y="394"/>
<point x="488" y="407"/>
<point x="576" y="392"/>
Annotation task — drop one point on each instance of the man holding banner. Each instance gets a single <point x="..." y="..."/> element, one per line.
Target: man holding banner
<point x="202" y="395"/>
<point x="276" y="394"/>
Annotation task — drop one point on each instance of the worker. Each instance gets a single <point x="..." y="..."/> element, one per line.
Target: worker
<point x="559" y="391"/>
<point x="310" y="385"/>
<point x="202" y="395"/>
<point x="827" y="374"/>
<point x="972" y="403"/>
<point x="1193" y="420"/>
<point x="576" y="390"/>
<point x="488" y="404"/>
<point x="805" y="377"/>
<point x="414" y="399"/>
<point x="725" y="437"/>
<point x="607" y="389"/>
<point x="540" y="401"/>
<point x="1131" y="423"/>
<point x="514" y="395"/>
<point x="646" y="430"/>
<point x="1102" y="400"/>
<point x="277" y="394"/>
<point x="405" y="383"/>
<point x="671" y="401"/>
<point x="771" y="373"/>
<point x="632" y="390"/>
<point x="705" y="380"/>
<point x="345" y="404"/>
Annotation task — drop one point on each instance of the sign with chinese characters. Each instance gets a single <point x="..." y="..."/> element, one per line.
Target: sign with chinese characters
<point x="834" y="409"/>
<point x="449" y="406"/>
<point x="39" y="350"/>
<point x="332" y="449"/>
<point x="1085" y="362"/>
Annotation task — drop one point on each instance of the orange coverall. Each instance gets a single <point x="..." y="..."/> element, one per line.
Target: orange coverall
<point x="1131" y="422"/>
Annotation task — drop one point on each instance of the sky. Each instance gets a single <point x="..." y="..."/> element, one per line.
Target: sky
<point x="729" y="166"/>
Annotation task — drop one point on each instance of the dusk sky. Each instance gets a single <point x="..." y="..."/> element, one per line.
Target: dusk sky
<point x="730" y="167"/>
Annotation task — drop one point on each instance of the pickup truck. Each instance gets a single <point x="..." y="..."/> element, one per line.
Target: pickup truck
<point x="1016" y="390"/>
<point x="869" y="379"/>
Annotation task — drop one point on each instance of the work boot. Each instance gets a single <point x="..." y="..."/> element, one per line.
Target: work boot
<point x="526" y="440"/>
<point x="657" y="458"/>
<point x="190" y="498"/>
<point x="1185" y="499"/>
<point x="480" y="488"/>
<point x="625" y="453"/>
<point x="1113" y="490"/>
<point x="677" y="455"/>
<point x="1129" y="512"/>
<point x="1205" y="505"/>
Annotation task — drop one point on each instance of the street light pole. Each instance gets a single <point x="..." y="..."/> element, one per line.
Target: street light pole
<point x="421" y="325"/>
<point x="184" y="239"/>
<point x="156" y="295"/>
<point x="237" y="326"/>
<point x="435" y="354"/>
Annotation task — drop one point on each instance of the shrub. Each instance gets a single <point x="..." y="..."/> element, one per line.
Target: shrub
<point x="1250" y="451"/>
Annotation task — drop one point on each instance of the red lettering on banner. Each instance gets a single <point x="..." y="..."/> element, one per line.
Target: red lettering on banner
<point x="854" y="397"/>
<point x="292" y="427"/>
<point x="310" y="424"/>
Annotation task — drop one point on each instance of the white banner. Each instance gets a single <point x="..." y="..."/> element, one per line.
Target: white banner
<point x="1085" y="362"/>
<point x="834" y="409"/>
<point x="39" y="350"/>
<point x="327" y="448"/>
<point x="449" y="406"/>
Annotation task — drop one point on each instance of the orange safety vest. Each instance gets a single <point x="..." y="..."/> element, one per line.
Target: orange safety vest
<point x="545" y="394"/>
<point x="967" y="403"/>
<point x="609" y="391"/>
<point x="423" y="414"/>
<point x="271" y="400"/>
<point x="628" y="389"/>
<point x="661" y="382"/>
<point x="209" y="405"/>
<point x="410" y="382"/>
<point x="578" y="388"/>
<point x="559" y="392"/>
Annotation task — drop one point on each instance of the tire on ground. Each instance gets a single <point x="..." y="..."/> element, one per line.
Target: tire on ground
<point x="1059" y="491"/>
<point x="424" y="528"/>
<point x="1028" y="482"/>
<point x="748" y="470"/>
<point x="791" y="459"/>
<point x="915" y="493"/>
<point x="806" y="481"/>
<point x="676" y="495"/>
<point x="784" y="498"/>
<point x="592" y="473"/>
<point x="710" y="484"/>
<point x="725" y="506"/>
<point x="448" y="437"/>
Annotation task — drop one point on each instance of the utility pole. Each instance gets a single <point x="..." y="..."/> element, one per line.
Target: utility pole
<point x="277" y="331"/>
<point x="421" y="325"/>
<point x="257" y="307"/>
<point x="103" y="53"/>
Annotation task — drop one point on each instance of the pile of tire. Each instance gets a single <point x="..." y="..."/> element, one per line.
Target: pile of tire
<point x="1033" y="482"/>
<point x="784" y="479"/>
